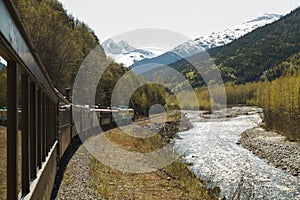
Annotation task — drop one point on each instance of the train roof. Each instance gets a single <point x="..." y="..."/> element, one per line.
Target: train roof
<point x="103" y="110"/>
<point x="124" y="109"/>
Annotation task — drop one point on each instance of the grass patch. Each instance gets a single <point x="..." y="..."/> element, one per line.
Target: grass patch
<point x="175" y="181"/>
<point x="67" y="177"/>
<point x="3" y="174"/>
<point x="172" y="182"/>
<point x="130" y="143"/>
<point x="3" y="161"/>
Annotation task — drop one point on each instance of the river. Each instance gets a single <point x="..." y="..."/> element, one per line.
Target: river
<point x="212" y="146"/>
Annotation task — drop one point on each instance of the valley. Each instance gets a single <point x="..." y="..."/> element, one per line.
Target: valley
<point x="149" y="113"/>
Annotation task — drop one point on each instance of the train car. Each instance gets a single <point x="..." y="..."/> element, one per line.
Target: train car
<point x="65" y="128"/>
<point x="125" y="115"/>
<point x="90" y="117"/>
<point x="104" y="115"/>
<point x="82" y="114"/>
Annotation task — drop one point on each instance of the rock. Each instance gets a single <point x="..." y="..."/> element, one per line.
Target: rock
<point x="274" y="148"/>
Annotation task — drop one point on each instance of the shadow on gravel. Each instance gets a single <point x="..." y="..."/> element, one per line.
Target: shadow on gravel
<point x="71" y="150"/>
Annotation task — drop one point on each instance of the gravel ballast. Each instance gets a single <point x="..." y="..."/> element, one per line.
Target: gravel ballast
<point x="73" y="179"/>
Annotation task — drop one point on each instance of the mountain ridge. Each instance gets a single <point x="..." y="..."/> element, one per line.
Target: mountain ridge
<point x="124" y="53"/>
<point x="266" y="53"/>
<point x="226" y="36"/>
<point x="255" y="53"/>
<point x="213" y="40"/>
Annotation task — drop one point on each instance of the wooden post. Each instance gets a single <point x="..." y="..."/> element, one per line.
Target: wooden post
<point x="33" y="130"/>
<point x="25" y="135"/>
<point x="39" y="129"/>
<point x="12" y="130"/>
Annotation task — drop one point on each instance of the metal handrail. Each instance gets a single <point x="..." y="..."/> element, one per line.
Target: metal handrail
<point x="40" y="102"/>
<point x="19" y="33"/>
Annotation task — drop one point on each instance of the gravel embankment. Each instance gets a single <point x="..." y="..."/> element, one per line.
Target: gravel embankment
<point x="73" y="179"/>
<point x="274" y="148"/>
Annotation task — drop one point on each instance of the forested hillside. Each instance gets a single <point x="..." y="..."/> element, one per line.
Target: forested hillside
<point x="266" y="54"/>
<point x="257" y="53"/>
<point x="291" y="66"/>
<point x="261" y="68"/>
<point x="3" y="91"/>
<point x="260" y="55"/>
<point x="61" y="41"/>
<point x="270" y="54"/>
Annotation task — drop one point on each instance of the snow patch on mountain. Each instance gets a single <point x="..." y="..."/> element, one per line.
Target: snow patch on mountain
<point x="124" y="53"/>
<point x="3" y="63"/>
<point x="224" y="37"/>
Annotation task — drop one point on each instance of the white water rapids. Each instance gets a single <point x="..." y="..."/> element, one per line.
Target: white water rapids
<point x="211" y="146"/>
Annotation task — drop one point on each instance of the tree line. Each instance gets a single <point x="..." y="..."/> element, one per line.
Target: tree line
<point x="280" y="100"/>
<point x="63" y="43"/>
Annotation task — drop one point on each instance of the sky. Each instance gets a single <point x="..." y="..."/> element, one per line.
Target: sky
<point x="192" y="18"/>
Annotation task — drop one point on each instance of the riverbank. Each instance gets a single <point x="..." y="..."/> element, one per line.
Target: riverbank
<point x="88" y="178"/>
<point x="212" y="146"/>
<point x="274" y="148"/>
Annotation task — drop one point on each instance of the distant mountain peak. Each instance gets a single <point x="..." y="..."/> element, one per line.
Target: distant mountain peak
<point x="3" y="63"/>
<point x="111" y="47"/>
<point x="126" y="46"/>
<point x="216" y="39"/>
<point x="124" y="53"/>
<point x="265" y="16"/>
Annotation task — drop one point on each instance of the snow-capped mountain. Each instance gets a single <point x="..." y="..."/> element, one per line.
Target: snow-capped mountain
<point x="122" y="52"/>
<point x="224" y="37"/>
<point x="3" y="63"/>
<point x="207" y="42"/>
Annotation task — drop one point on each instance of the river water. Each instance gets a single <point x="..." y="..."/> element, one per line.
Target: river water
<point x="212" y="147"/>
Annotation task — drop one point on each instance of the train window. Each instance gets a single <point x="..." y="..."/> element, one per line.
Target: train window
<point x="3" y="135"/>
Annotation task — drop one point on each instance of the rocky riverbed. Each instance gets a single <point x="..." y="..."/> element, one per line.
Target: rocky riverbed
<point x="213" y="146"/>
<point x="274" y="148"/>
